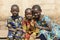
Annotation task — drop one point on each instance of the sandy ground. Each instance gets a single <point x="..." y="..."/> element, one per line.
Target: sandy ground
<point x="6" y="39"/>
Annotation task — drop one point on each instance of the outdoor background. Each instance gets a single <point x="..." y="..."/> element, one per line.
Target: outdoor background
<point x="49" y="7"/>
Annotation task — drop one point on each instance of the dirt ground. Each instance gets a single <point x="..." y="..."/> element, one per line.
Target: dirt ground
<point x="6" y="39"/>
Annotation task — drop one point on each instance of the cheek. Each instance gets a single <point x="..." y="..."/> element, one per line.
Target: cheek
<point x="29" y="16"/>
<point x="15" y="12"/>
<point x="36" y="14"/>
<point x="26" y="15"/>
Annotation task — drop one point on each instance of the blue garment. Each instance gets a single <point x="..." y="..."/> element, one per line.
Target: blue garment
<point x="15" y="23"/>
<point x="42" y="37"/>
<point x="44" y="22"/>
<point x="56" y="30"/>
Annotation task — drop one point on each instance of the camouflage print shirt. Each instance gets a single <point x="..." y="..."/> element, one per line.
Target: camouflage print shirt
<point x="14" y="22"/>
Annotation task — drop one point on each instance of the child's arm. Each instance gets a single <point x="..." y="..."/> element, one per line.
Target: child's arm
<point x="14" y="30"/>
<point x="41" y="27"/>
<point x="38" y="35"/>
<point x="9" y="25"/>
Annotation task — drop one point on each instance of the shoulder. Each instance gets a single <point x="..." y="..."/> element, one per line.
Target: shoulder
<point x="9" y="18"/>
<point x="45" y="18"/>
<point x="24" y="20"/>
<point x="20" y="18"/>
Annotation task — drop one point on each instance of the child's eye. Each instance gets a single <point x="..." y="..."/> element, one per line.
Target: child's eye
<point x="29" y="14"/>
<point x="15" y="10"/>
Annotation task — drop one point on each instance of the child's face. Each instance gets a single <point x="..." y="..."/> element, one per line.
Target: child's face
<point x="37" y="13"/>
<point x="28" y="14"/>
<point x="14" y="11"/>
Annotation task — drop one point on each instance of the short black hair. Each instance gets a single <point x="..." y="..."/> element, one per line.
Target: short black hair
<point x="28" y="9"/>
<point x="14" y="5"/>
<point x="37" y="7"/>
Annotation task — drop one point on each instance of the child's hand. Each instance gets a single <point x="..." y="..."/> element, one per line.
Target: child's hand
<point x="32" y="23"/>
<point x="9" y="26"/>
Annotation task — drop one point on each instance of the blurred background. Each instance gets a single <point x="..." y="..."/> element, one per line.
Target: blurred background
<point x="50" y="8"/>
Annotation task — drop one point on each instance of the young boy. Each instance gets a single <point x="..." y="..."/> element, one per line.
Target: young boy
<point x="14" y="24"/>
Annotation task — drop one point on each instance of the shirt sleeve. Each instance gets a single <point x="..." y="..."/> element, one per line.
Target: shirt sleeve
<point x="8" y="21"/>
<point x="20" y="21"/>
<point x="47" y="19"/>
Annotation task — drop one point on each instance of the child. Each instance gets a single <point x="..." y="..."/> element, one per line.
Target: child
<point x="27" y="23"/>
<point x="43" y="22"/>
<point x="14" y="24"/>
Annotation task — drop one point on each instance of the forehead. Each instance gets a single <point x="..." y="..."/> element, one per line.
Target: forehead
<point x="28" y="11"/>
<point x="36" y="9"/>
<point x="14" y="7"/>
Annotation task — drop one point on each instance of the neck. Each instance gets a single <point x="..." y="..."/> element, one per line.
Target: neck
<point x="15" y="16"/>
<point x="38" y="19"/>
<point x="29" y="19"/>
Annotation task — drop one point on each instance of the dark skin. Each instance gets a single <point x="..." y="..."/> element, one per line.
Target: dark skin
<point x="15" y="13"/>
<point x="15" y="10"/>
<point x="28" y="14"/>
<point x="37" y="14"/>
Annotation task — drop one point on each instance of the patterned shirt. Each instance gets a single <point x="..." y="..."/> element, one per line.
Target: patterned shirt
<point x="14" y="22"/>
<point x="28" y="25"/>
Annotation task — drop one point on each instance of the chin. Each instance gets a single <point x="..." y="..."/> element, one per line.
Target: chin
<point x="29" y="18"/>
<point x="36" y="16"/>
<point x="15" y="15"/>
